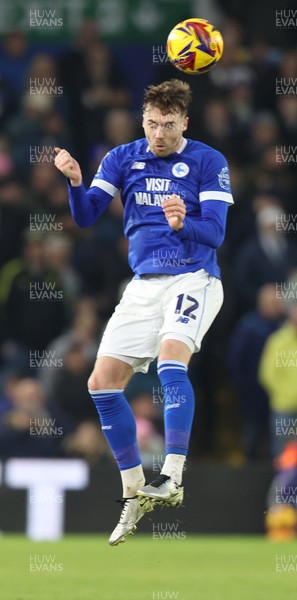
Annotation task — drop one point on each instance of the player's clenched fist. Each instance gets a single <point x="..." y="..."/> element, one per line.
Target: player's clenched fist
<point x="68" y="166"/>
<point x="175" y="211"/>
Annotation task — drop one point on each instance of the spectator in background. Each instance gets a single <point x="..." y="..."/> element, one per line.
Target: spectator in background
<point x="68" y="392"/>
<point x="286" y="101"/>
<point x="31" y="428"/>
<point x="241" y="106"/>
<point x="7" y="393"/>
<point x="245" y="349"/>
<point x="84" y="331"/>
<point x="31" y="308"/>
<point x="103" y="85"/>
<point x="24" y="130"/>
<point x="264" y="132"/>
<point x="8" y="100"/>
<point x="27" y="426"/>
<point x="72" y="60"/>
<point x="55" y="130"/>
<point x="93" y="90"/>
<point x="42" y="181"/>
<point x="287" y="110"/>
<point x="101" y="276"/>
<point x="217" y="129"/>
<point x="15" y="59"/>
<point x="40" y="122"/>
<point x="14" y="219"/>
<point x="278" y="376"/>
<point x="87" y="442"/>
<point x="55" y="204"/>
<point x="6" y="162"/>
<point x="268" y="257"/>
<point x="119" y="127"/>
<point x="58" y="252"/>
<point x="42" y="79"/>
<point x="71" y="68"/>
<point x="264" y="62"/>
<point x="233" y="68"/>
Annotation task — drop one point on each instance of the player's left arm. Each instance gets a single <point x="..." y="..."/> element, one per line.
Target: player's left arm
<point x="215" y="198"/>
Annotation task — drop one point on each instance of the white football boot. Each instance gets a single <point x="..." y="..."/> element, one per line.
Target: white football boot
<point x="163" y="490"/>
<point x="131" y="513"/>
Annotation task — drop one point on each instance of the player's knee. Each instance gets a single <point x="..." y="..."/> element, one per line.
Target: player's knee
<point x="172" y="349"/>
<point x="92" y="383"/>
<point x="109" y="374"/>
<point x="98" y="382"/>
<point x="102" y="381"/>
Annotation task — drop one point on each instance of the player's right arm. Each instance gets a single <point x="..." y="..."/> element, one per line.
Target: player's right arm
<point x="68" y="166"/>
<point x="87" y="205"/>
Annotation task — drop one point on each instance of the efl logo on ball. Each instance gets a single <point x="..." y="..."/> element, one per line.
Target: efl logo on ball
<point x="194" y="46"/>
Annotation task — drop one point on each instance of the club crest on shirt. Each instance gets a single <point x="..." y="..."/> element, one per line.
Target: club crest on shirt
<point x="180" y="169"/>
<point x="224" y="178"/>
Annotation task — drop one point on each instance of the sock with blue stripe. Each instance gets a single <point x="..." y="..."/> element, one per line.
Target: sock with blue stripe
<point x="119" y="427"/>
<point x="179" y="406"/>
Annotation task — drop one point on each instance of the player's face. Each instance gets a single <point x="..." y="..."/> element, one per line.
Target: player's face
<point x="163" y="132"/>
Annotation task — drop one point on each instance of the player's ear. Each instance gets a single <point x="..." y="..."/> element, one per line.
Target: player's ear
<point x="186" y="122"/>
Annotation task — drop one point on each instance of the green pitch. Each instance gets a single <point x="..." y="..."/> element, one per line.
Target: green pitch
<point x="195" y="568"/>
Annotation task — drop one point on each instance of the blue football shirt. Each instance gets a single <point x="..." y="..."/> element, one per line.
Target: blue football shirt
<point x="196" y="172"/>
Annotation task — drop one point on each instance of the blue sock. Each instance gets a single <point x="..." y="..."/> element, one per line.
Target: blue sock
<point x="179" y="405"/>
<point x="118" y="425"/>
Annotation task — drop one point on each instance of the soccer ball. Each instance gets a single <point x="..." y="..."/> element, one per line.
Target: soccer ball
<point x="194" y="46"/>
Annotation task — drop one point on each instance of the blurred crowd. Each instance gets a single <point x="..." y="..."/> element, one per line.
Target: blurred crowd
<point x="59" y="284"/>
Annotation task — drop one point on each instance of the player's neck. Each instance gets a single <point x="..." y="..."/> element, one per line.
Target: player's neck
<point x="181" y="146"/>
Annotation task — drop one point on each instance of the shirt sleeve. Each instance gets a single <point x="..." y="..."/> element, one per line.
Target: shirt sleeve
<point x="215" y="178"/>
<point x="215" y="197"/>
<point x="210" y="228"/>
<point x="87" y="205"/>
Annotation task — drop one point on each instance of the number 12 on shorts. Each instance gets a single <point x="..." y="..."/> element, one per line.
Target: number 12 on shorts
<point x="189" y="311"/>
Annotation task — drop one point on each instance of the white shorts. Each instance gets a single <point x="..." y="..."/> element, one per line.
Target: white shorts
<point x="156" y="308"/>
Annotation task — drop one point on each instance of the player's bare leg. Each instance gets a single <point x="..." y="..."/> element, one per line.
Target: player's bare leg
<point x="173" y="360"/>
<point x="106" y="385"/>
